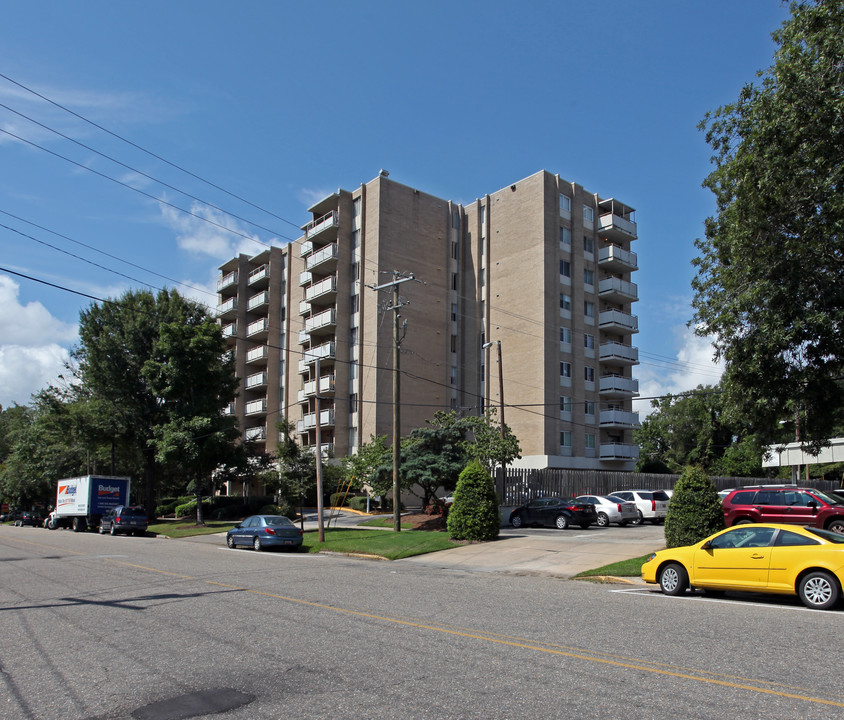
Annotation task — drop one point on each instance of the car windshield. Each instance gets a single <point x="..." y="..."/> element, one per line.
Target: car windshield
<point x="277" y="520"/>
<point x="832" y="537"/>
<point x="828" y="499"/>
<point x="660" y="495"/>
<point x="133" y="511"/>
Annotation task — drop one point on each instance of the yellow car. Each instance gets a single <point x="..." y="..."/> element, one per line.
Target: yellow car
<point x="771" y="558"/>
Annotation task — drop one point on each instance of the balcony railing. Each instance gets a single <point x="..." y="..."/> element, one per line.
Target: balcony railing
<point x="616" y="289"/>
<point x="619" y="451"/>
<point x="229" y="307"/>
<point x="326" y="254"/>
<point x="614" y="351"/>
<point x="612" y="257"/>
<point x="617" y="385"/>
<point x="256" y="380"/>
<point x="255" y="433"/>
<point x="619" y="418"/>
<point x="321" y="352"/>
<point x="616" y="226"/>
<point x="619" y="321"/>
<point x="258" y="354"/>
<point x="230" y="330"/>
<point x="321" y="289"/>
<point x="327" y="318"/>
<point x="256" y="407"/>
<point x="227" y="281"/>
<point x="258" y="300"/>
<point x="261" y="325"/>
<point x="306" y="249"/>
<point x="308" y="422"/>
<point x="304" y="307"/>
<point x="305" y="278"/>
<point x="259" y="274"/>
<point x="329" y="220"/>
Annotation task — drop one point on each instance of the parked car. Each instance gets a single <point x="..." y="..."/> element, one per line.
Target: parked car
<point x="265" y="531"/>
<point x="770" y="558"/>
<point x="651" y="504"/>
<point x="611" y="509"/>
<point x="28" y="518"/>
<point x="784" y="504"/>
<point x="837" y="494"/>
<point x="555" y="512"/>
<point x="129" y="519"/>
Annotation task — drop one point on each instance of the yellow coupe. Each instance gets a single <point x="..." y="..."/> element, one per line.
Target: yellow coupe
<point x="771" y="558"/>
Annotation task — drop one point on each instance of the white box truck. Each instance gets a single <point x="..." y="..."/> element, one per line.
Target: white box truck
<point x="82" y="501"/>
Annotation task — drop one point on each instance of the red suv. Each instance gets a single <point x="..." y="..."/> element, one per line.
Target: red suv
<point x="784" y="504"/>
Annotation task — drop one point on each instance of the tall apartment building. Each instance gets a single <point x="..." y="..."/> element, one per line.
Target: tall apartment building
<point x="541" y="269"/>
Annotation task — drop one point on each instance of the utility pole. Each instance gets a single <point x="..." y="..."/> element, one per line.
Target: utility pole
<point x="397" y="340"/>
<point x="501" y="410"/>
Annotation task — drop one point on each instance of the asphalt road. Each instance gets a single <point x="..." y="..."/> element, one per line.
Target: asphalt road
<point x="119" y="627"/>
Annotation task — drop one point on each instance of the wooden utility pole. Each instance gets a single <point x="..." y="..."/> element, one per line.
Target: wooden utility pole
<point x="397" y="339"/>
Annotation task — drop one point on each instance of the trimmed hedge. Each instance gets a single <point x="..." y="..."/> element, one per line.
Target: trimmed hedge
<point x="474" y="512"/>
<point x="695" y="510"/>
<point x="358" y="503"/>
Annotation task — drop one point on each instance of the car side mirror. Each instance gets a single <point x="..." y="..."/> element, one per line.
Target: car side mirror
<point x="707" y="545"/>
<point x="812" y="503"/>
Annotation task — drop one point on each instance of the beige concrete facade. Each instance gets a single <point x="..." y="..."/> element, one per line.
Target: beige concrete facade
<point x="515" y="267"/>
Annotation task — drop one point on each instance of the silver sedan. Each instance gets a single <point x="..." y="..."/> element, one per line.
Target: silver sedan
<point x="611" y="509"/>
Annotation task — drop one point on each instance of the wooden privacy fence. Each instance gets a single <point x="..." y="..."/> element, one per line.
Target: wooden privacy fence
<point x="522" y="485"/>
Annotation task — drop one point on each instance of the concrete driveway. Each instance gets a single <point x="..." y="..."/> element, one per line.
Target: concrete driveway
<point x="546" y="551"/>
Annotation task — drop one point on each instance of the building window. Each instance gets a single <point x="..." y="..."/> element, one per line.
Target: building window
<point x="588" y="245"/>
<point x="355" y="239"/>
<point x="589" y="341"/>
<point x="454" y="281"/>
<point x="588" y="276"/>
<point x="565" y="204"/>
<point x="589" y="408"/>
<point x="565" y="238"/>
<point x="590" y="441"/>
<point x="565" y="404"/>
<point x="588" y="309"/>
<point x="355" y="271"/>
<point x="353" y="403"/>
<point x="454" y="343"/>
<point x="353" y="337"/>
<point x="483" y="277"/>
<point x="588" y="214"/>
<point x="565" y="369"/>
<point x="565" y="442"/>
<point x="565" y="302"/>
<point x="565" y="268"/>
<point x="454" y="312"/>
<point x="454" y="376"/>
<point x="455" y="251"/>
<point x="589" y="374"/>
<point x="354" y="304"/>
<point x="565" y="335"/>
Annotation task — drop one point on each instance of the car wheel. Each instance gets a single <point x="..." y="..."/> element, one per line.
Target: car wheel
<point x="818" y="590"/>
<point x="639" y="520"/>
<point x="230" y="541"/>
<point x="603" y="520"/>
<point x="743" y="521"/>
<point x="256" y="544"/>
<point x="113" y="531"/>
<point x="562" y="522"/>
<point x="836" y="526"/>
<point x="102" y="530"/>
<point x="673" y="579"/>
<point x="516" y="521"/>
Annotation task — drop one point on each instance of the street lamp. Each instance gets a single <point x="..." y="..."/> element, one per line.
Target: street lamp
<point x="486" y="346"/>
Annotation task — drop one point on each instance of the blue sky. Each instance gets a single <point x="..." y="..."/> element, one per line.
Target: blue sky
<point x="280" y="103"/>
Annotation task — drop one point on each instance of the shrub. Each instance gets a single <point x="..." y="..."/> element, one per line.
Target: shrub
<point x="695" y="510"/>
<point x="358" y="503"/>
<point x="474" y="512"/>
<point x="338" y="499"/>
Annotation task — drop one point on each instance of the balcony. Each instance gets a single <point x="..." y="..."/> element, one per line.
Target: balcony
<point x="305" y="278"/>
<point x="326" y="351"/>
<point x="325" y="259"/>
<point x="256" y="407"/>
<point x="326" y="387"/>
<point x="618" y="321"/>
<point x="255" y="433"/>
<point x="613" y="289"/>
<point x="227" y="284"/>
<point x="618" y="386"/>
<point x="228" y="309"/>
<point x="614" y="352"/>
<point x="258" y="355"/>
<point x="306" y="249"/>
<point x="304" y="307"/>
<point x="260" y="277"/>
<point x="256" y="380"/>
<point x="619" y="451"/>
<point x="323" y="292"/>
<point x="258" y="301"/>
<point x="323" y="322"/>
<point x="308" y="422"/>
<point x="327" y="449"/>
<point x="229" y="409"/>
<point x="258" y="329"/>
<point x="619" y="419"/>
<point x="615" y="259"/>
<point x="320" y="227"/>
<point x="304" y="337"/>
<point x="616" y="227"/>
<point x="230" y="330"/>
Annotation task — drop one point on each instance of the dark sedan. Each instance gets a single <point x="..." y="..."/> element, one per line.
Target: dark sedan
<point x="265" y="531"/>
<point x="555" y="512"/>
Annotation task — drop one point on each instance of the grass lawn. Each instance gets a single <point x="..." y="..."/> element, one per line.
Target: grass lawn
<point x="187" y="527"/>
<point x="389" y="545"/>
<point x="385" y="522"/>
<point x="625" y="568"/>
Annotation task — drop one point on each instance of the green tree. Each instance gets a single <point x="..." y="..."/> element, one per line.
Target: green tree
<point x="433" y="457"/>
<point x="695" y="510"/>
<point x="770" y="276"/>
<point x="296" y="473"/>
<point x="474" y="513"/>
<point x="123" y="365"/>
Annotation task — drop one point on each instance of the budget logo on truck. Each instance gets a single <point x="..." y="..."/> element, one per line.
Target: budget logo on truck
<point x="66" y="495"/>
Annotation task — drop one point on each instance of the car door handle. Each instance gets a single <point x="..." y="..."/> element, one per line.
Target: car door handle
<point x="758" y="556"/>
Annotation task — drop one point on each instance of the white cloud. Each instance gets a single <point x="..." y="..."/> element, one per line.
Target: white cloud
<point x="31" y="353"/>
<point x="693" y="365"/>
